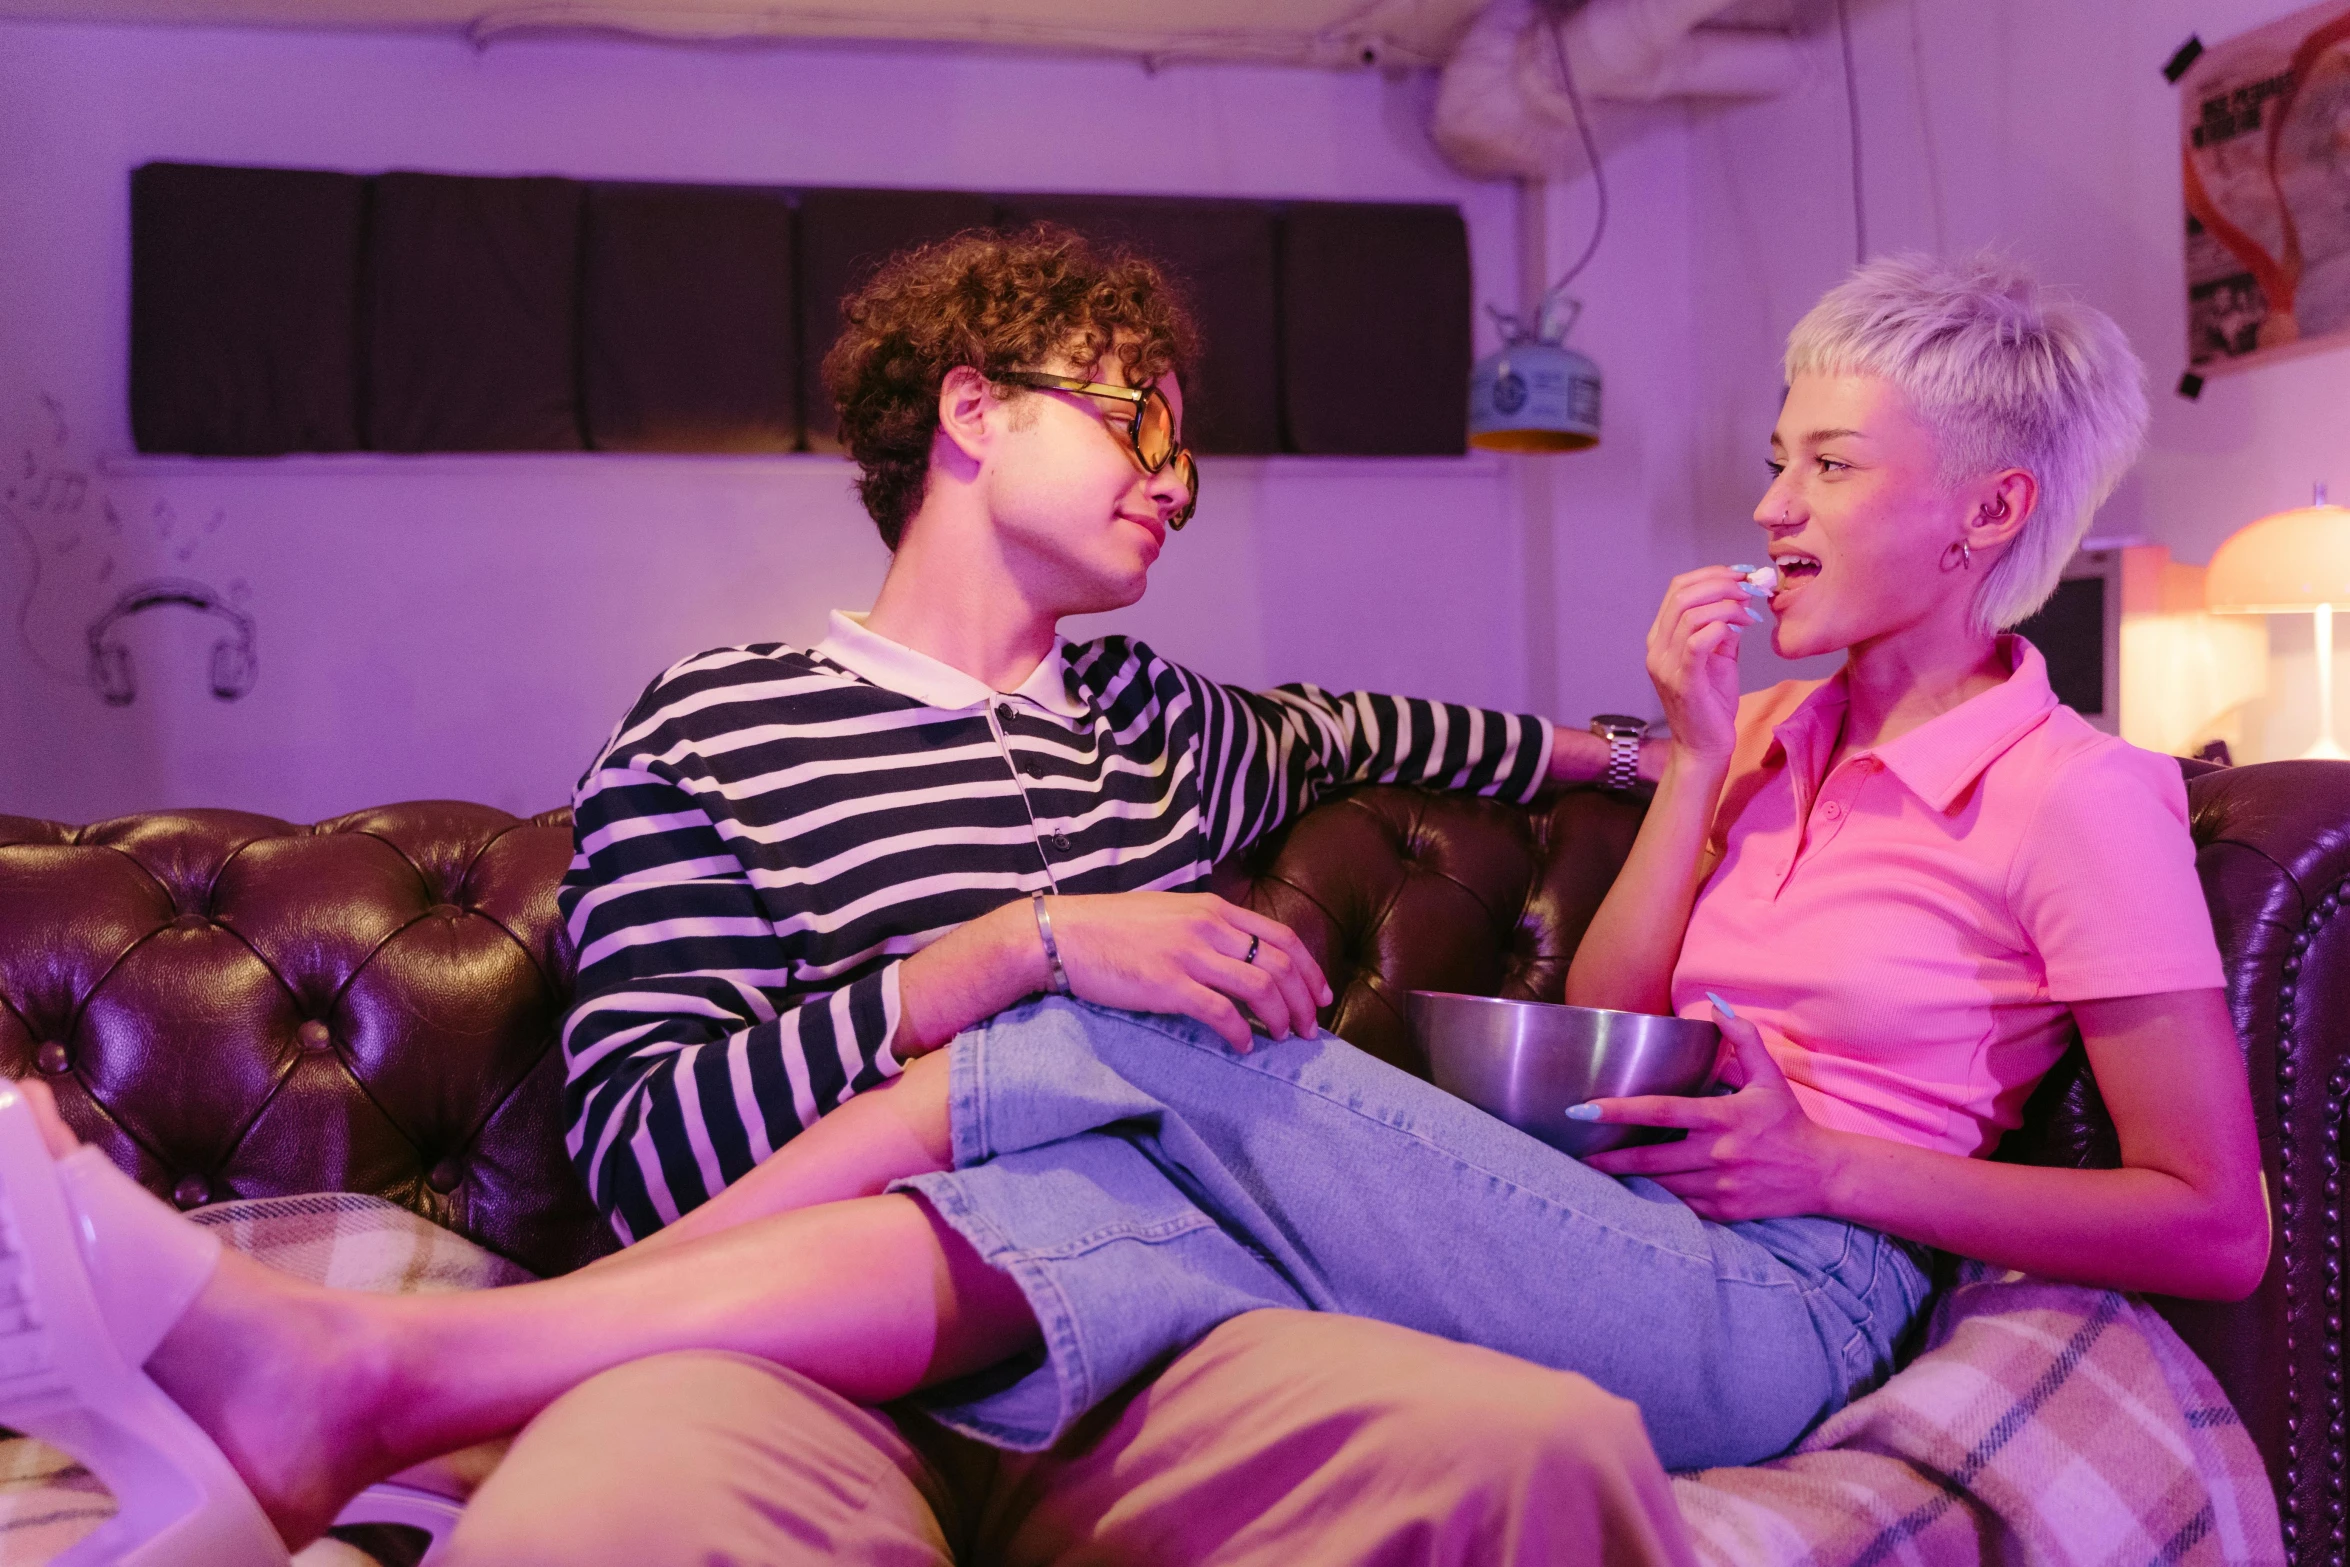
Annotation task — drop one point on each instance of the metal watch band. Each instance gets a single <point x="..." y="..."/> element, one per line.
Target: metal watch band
<point x="1623" y="760"/>
<point x="1052" y="948"/>
<point x="1623" y="734"/>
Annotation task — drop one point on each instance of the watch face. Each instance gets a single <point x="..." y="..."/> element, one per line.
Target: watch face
<point x="1610" y="724"/>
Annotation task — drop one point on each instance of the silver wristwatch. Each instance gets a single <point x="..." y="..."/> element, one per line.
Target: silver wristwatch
<point x="1623" y="734"/>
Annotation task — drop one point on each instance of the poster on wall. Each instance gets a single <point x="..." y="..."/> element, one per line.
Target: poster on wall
<point x="2265" y="130"/>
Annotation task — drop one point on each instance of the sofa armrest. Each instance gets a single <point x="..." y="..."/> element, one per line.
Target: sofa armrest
<point x="2273" y="848"/>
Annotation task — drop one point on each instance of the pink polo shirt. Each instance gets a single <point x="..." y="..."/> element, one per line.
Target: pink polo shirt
<point x="1907" y="930"/>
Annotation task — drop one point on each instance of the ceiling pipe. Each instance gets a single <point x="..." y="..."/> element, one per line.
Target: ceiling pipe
<point x="1502" y="110"/>
<point x="1362" y="41"/>
<point x="1644" y="50"/>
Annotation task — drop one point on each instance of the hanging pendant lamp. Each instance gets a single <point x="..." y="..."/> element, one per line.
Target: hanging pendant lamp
<point x="1535" y="394"/>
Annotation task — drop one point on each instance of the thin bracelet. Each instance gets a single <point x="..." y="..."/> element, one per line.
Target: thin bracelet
<point x="1052" y="948"/>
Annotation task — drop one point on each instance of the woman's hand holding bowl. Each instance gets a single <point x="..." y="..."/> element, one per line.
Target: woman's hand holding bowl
<point x="1751" y="1154"/>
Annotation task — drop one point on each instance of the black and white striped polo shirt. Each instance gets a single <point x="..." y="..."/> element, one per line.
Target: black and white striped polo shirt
<point x="772" y="830"/>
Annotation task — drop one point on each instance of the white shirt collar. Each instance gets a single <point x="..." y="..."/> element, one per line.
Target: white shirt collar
<point x="895" y="667"/>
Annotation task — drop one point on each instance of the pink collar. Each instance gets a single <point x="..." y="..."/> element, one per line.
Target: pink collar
<point x="1941" y="758"/>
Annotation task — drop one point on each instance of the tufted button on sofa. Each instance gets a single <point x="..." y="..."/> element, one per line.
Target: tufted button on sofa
<point x="234" y="1006"/>
<point x="1396" y="890"/>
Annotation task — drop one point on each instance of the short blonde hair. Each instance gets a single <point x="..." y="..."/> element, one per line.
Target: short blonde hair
<point x="2006" y="375"/>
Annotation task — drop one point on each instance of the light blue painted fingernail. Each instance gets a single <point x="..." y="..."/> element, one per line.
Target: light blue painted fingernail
<point x="1721" y="1006"/>
<point x="1585" y="1111"/>
<point x="1754" y="590"/>
<point x="1754" y="614"/>
<point x="1743" y="570"/>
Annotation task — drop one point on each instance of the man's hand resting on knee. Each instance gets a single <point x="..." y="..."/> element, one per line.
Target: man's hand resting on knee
<point x="1182" y="952"/>
<point x="1190" y="952"/>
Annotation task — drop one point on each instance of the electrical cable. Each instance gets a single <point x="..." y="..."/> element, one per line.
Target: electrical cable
<point x="1558" y="48"/>
<point x="1918" y="72"/>
<point x="1860" y="211"/>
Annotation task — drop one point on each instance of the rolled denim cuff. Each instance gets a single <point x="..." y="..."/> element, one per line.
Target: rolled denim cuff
<point x="1120" y="1267"/>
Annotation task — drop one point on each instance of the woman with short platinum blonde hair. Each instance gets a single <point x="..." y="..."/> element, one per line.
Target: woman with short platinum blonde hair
<point x="2006" y="376"/>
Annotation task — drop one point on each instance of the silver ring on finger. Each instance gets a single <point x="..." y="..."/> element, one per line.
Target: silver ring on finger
<point x="1254" y="942"/>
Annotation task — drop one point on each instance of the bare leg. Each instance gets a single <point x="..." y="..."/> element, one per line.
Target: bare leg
<point x="315" y="1393"/>
<point x="882" y="1135"/>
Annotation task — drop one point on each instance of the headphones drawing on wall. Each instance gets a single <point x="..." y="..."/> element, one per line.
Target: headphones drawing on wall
<point x="234" y="664"/>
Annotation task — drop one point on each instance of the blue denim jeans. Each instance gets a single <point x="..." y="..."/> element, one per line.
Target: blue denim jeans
<point x="1142" y="1182"/>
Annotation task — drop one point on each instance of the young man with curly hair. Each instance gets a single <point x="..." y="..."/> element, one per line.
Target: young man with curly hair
<point x="800" y="869"/>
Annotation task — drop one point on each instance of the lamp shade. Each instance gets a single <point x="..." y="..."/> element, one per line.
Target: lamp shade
<point x="2294" y="560"/>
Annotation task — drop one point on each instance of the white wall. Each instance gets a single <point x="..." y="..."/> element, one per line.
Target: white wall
<point x="2044" y="127"/>
<point x="471" y="627"/>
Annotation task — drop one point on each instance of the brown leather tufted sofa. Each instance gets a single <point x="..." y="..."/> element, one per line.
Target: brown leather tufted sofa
<point x="233" y="1005"/>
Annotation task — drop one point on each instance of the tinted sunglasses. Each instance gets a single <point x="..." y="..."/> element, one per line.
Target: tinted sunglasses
<point x="1149" y="433"/>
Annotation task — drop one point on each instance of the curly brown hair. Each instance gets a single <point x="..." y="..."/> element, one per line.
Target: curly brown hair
<point x="995" y="302"/>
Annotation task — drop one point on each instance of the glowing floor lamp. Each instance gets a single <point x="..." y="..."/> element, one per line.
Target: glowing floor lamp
<point x="2293" y="563"/>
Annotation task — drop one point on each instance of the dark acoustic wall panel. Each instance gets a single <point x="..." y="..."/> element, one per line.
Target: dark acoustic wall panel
<point x="1223" y="254"/>
<point x="687" y="335"/>
<point x="244" y="310"/>
<point x="1376" y="309"/>
<point x="473" y="295"/>
<point x="844" y="236"/>
<point x="281" y="310"/>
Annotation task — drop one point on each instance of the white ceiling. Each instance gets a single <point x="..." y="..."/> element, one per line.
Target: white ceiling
<point x="1301" y="32"/>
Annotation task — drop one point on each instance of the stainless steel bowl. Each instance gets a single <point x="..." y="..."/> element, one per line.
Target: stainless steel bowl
<point x="1526" y="1061"/>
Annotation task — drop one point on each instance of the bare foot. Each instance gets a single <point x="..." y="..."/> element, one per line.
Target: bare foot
<point x="292" y="1383"/>
<point x="283" y="1376"/>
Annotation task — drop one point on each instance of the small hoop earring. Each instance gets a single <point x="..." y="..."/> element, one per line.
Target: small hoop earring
<point x="1959" y="557"/>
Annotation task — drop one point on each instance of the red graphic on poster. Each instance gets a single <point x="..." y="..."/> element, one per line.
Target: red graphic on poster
<point x="2265" y="144"/>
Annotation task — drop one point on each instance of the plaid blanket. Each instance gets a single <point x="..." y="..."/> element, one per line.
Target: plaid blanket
<point x="2042" y="1423"/>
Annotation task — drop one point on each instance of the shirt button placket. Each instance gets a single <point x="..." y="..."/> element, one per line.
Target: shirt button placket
<point x="1835" y="812"/>
<point x="1003" y="741"/>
